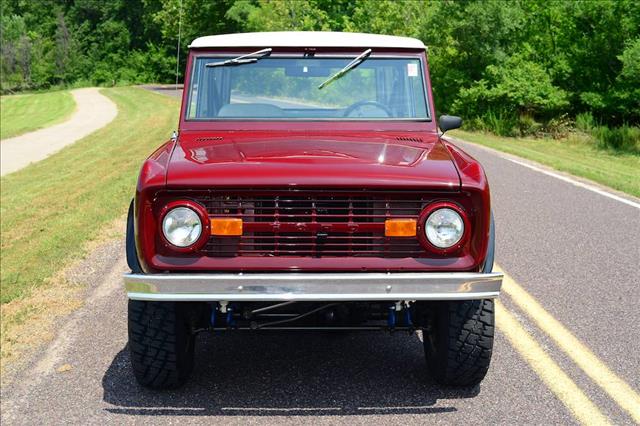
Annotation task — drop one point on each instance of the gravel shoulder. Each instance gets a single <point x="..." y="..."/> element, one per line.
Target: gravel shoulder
<point x="93" y="111"/>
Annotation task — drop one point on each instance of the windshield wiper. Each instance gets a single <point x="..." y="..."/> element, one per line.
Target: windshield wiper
<point x="244" y="59"/>
<point x="351" y="65"/>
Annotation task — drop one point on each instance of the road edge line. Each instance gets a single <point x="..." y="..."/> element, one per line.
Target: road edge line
<point x="541" y="169"/>
<point x="575" y="183"/>
<point x="619" y="390"/>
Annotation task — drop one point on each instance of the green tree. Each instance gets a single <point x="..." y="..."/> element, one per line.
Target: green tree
<point x="515" y="87"/>
<point x="539" y="58"/>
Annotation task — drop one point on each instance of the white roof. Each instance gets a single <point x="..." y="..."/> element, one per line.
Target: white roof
<point x="307" y="39"/>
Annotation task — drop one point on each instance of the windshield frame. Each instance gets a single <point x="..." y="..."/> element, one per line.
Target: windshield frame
<point x="346" y="55"/>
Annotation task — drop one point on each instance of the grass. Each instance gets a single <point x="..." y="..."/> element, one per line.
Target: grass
<point x="575" y="155"/>
<point x="51" y="209"/>
<point x="25" y="113"/>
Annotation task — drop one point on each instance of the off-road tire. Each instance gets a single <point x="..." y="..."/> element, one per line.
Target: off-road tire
<point x="161" y="343"/>
<point x="459" y="344"/>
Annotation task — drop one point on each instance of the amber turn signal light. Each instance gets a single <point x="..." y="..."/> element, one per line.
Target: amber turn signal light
<point x="400" y="227"/>
<point x="226" y="226"/>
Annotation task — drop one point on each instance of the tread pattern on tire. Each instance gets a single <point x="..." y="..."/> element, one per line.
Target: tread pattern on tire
<point x="160" y="346"/>
<point x="470" y="327"/>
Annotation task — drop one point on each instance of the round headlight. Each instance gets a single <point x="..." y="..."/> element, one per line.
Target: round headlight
<point x="444" y="228"/>
<point x="181" y="227"/>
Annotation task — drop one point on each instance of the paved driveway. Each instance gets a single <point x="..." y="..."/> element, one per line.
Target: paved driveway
<point x="93" y="111"/>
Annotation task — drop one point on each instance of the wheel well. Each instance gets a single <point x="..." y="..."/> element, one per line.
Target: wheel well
<point x="487" y="266"/>
<point x="132" y="255"/>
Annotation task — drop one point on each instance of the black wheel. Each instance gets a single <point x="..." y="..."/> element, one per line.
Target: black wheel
<point x="161" y="343"/>
<point x="459" y="344"/>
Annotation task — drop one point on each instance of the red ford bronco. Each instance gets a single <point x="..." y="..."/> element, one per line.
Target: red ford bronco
<point x="309" y="188"/>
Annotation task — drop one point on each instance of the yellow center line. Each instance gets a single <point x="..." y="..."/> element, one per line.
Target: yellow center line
<point x="548" y="370"/>
<point x="623" y="394"/>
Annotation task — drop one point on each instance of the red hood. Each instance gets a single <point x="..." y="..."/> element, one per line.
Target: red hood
<point x="236" y="159"/>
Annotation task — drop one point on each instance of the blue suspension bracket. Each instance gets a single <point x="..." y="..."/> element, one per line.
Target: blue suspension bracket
<point x="408" y="321"/>
<point x="391" y="318"/>
<point x="407" y="317"/>
<point x="214" y="313"/>
<point x="230" y="321"/>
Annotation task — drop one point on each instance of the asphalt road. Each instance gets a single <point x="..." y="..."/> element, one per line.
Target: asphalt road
<point x="575" y="251"/>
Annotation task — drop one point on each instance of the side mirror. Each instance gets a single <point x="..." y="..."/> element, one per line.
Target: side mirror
<point x="449" y="122"/>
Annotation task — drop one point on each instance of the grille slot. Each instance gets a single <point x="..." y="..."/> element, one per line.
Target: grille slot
<point x="312" y="223"/>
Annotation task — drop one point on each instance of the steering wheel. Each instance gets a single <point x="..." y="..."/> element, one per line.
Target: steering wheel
<point x="352" y="109"/>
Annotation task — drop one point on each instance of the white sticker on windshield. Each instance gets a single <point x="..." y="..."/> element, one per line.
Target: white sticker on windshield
<point x="412" y="70"/>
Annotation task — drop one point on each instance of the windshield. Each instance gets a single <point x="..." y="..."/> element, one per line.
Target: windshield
<point x="298" y="88"/>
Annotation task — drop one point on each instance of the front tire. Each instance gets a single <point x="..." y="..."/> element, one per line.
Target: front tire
<point x="161" y="343"/>
<point x="459" y="344"/>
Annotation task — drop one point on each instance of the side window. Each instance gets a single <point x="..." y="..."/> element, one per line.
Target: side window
<point x="209" y="90"/>
<point x="417" y="92"/>
<point x="195" y="90"/>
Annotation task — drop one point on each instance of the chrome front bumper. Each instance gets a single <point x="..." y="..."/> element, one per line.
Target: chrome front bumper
<point x="263" y="287"/>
